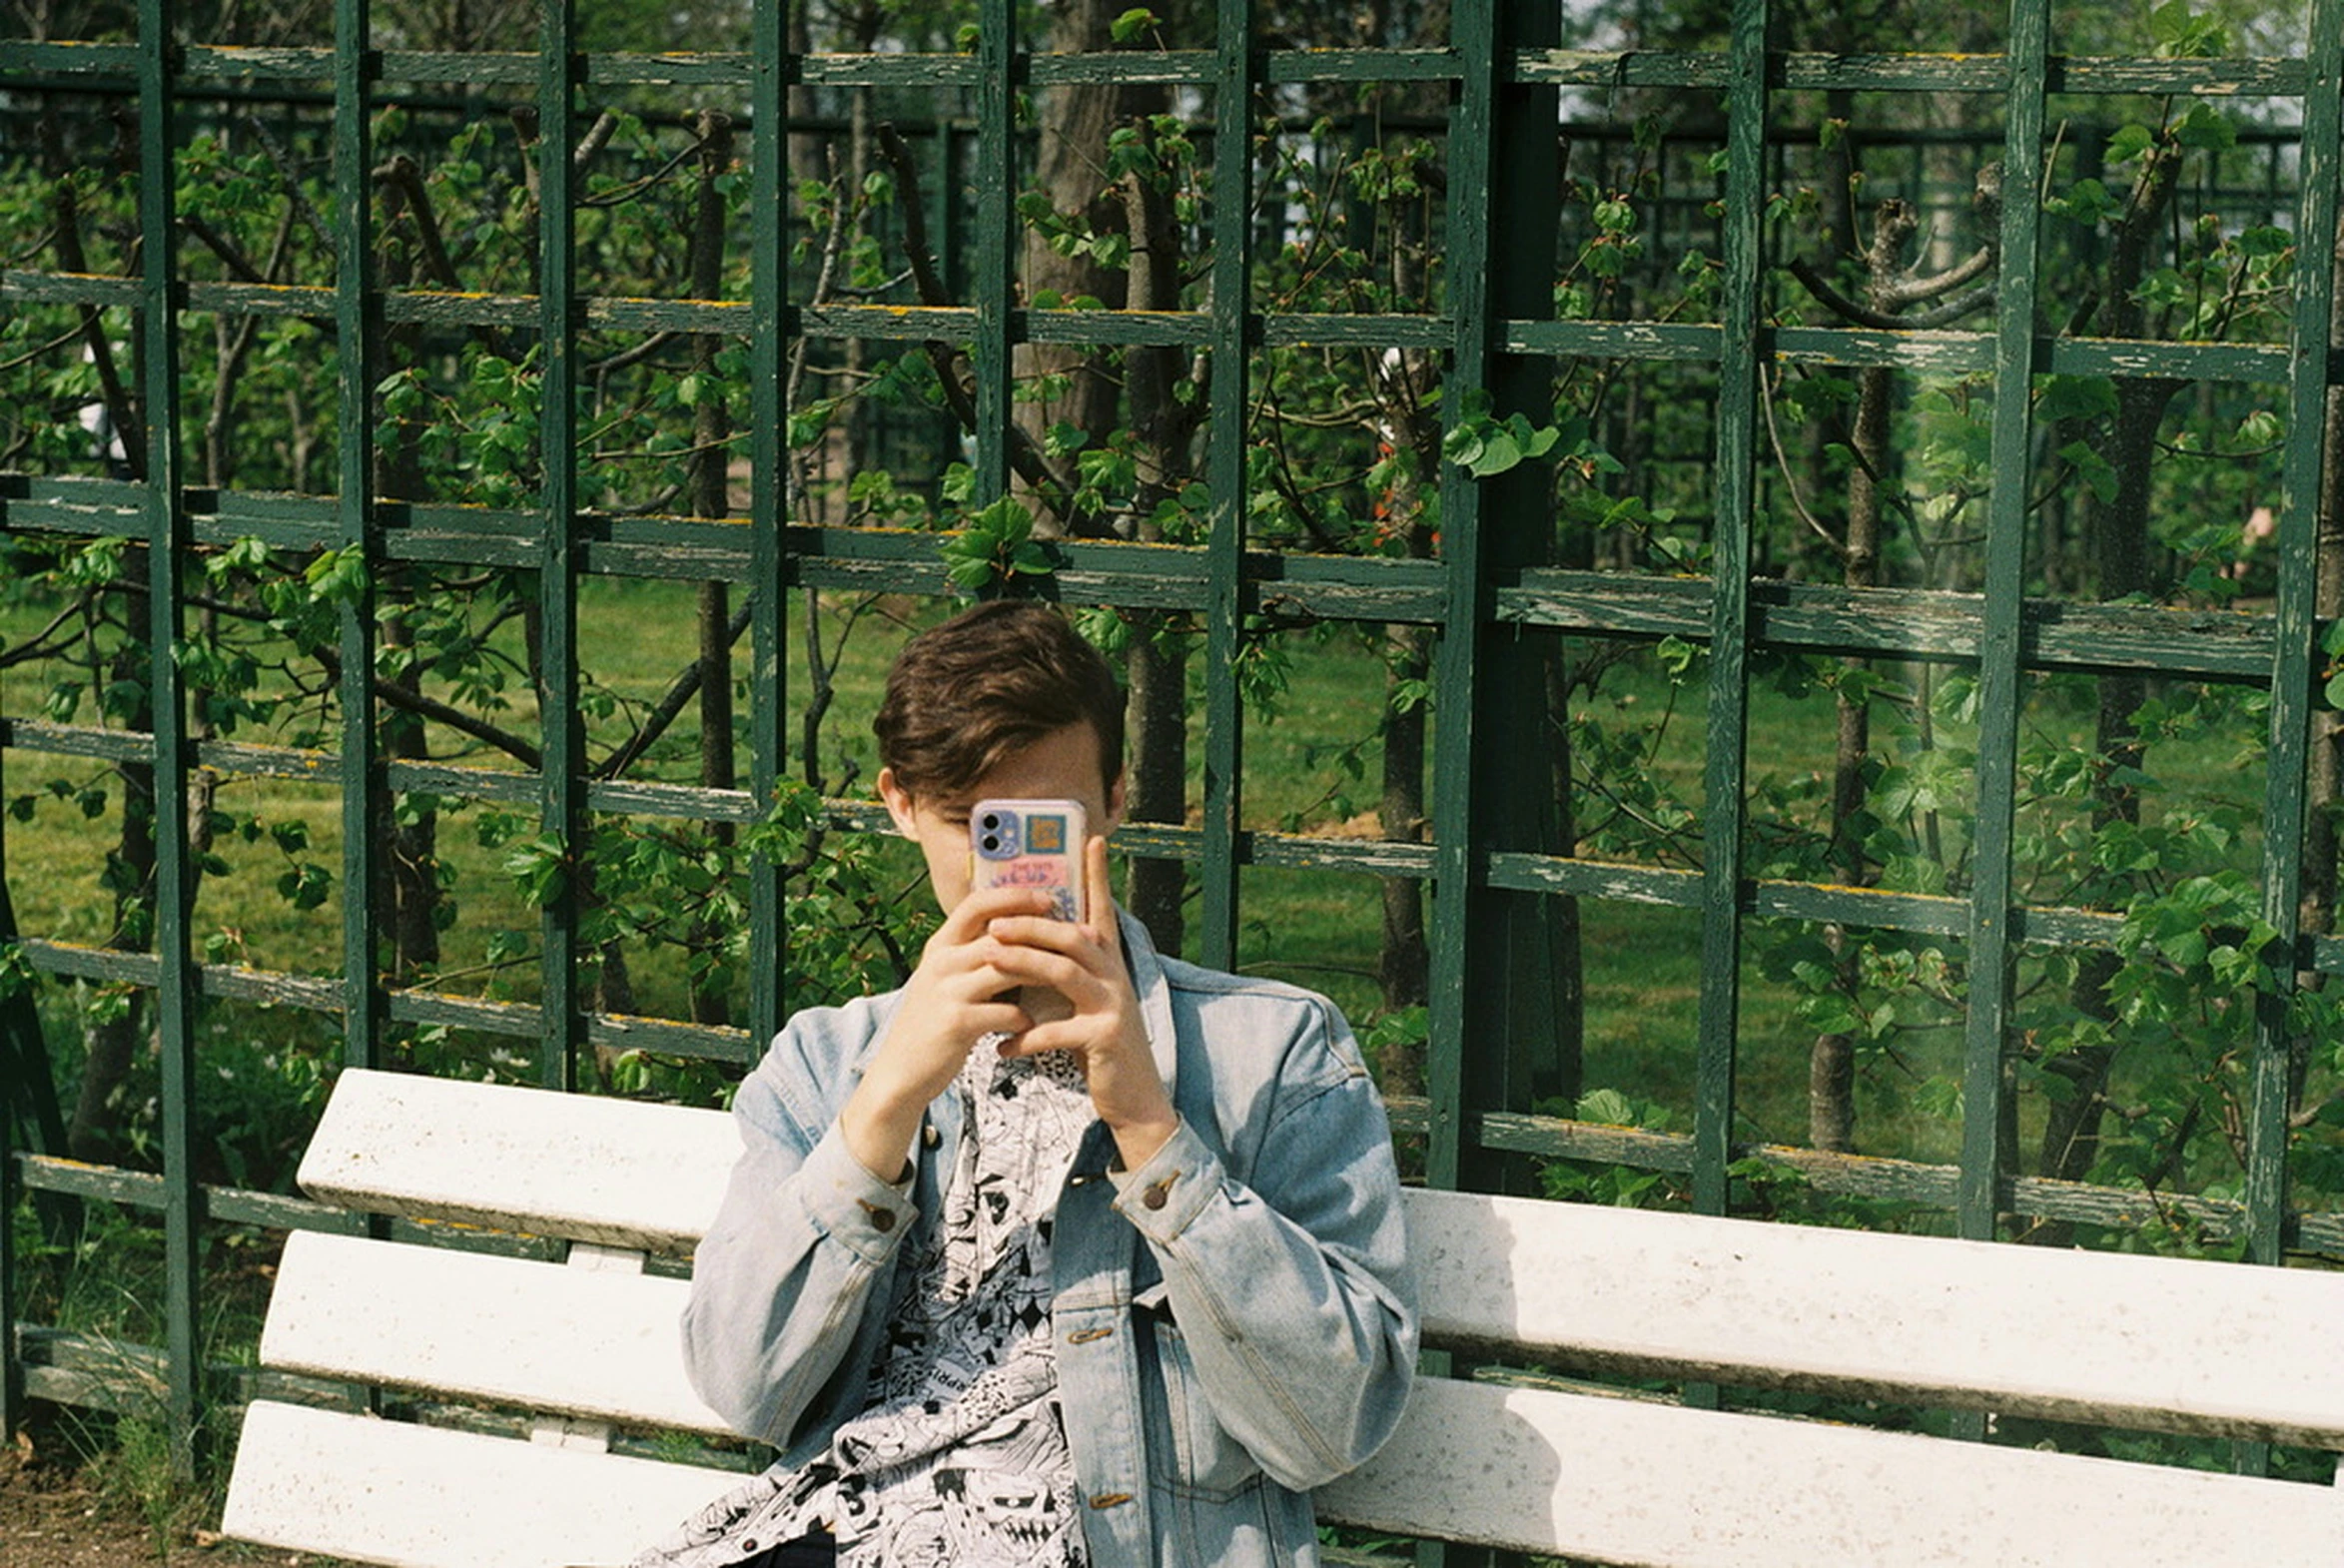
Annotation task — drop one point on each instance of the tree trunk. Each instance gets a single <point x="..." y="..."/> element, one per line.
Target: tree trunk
<point x="113" y="1045"/>
<point x="1157" y="664"/>
<point x="2121" y="552"/>
<point x="1567" y="931"/>
<point x="1404" y="957"/>
<point x="407" y="900"/>
<point x="2072" y="1131"/>
<point x="2325" y="783"/>
<point x="1069" y="163"/>
<point x="711" y="434"/>
<point x="1831" y="1061"/>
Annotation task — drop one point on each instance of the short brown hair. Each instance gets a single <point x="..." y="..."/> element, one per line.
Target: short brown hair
<point x="965" y="694"/>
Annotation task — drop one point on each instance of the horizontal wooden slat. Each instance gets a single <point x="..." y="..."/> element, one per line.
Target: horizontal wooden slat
<point x="595" y="1170"/>
<point x="1606" y="1480"/>
<point x="423" y="1498"/>
<point x="2164" y="1343"/>
<point x="504" y="1330"/>
<point x="1626" y="1481"/>
<point x="2158" y="1344"/>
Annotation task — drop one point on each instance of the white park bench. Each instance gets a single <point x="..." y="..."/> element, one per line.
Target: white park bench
<point x="590" y="1346"/>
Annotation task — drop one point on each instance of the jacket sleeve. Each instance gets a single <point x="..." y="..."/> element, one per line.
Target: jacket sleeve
<point x="1293" y="1291"/>
<point x="804" y="1238"/>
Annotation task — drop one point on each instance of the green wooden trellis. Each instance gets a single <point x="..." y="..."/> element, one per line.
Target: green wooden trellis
<point x="1491" y="581"/>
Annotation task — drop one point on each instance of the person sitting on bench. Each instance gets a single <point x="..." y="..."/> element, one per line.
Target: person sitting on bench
<point x="1066" y="1251"/>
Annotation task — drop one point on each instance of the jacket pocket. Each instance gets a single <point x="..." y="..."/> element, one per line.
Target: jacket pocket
<point x="1187" y="1450"/>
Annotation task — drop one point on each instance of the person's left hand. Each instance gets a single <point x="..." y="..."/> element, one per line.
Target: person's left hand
<point x="1084" y="963"/>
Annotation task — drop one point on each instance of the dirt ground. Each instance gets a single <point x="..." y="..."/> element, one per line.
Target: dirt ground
<point x="55" y="1514"/>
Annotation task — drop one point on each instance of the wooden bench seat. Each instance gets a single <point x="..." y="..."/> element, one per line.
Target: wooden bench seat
<point x="590" y="1345"/>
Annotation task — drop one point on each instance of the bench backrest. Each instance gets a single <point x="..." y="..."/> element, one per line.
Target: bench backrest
<point x="2155" y="1343"/>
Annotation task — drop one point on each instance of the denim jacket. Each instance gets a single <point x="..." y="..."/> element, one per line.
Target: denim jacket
<point x="1234" y="1321"/>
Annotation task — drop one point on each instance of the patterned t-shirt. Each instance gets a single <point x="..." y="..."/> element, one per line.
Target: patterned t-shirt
<point x="959" y="1457"/>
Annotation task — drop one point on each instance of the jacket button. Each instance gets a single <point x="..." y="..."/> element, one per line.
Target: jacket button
<point x="930" y="1136"/>
<point x="1154" y="1197"/>
<point x="882" y="1220"/>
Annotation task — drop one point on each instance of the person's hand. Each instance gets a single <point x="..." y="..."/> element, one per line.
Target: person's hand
<point x="960" y="992"/>
<point x="1084" y="964"/>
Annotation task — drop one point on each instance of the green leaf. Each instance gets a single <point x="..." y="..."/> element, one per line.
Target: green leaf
<point x="2096" y="470"/>
<point x="1464" y="444"/>
<point x="305" y="886"/>
<point x="1498" y="453"/>
<point x="2206" y="128"/>
<point x="2264" y="240"/>
<point x="2075" y="398"/>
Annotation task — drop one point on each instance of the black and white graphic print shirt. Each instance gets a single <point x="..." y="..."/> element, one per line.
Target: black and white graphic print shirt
<point x="961" y="1457"/>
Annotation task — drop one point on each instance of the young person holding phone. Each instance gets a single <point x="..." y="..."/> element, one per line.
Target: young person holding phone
<point x="1066" y="1251"/>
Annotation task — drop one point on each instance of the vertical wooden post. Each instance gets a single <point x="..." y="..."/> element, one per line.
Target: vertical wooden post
<point x="1727" y="745"/>
<point x="358" y="319"/>
<point x="1986" y="1150"/>
<point x="563" y="785"/>
<point x="1234" y="85"/>
<point x="167" y="542"/>
<point x="772" y="320"/>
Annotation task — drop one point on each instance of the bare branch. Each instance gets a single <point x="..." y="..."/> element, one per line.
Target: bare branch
<point x="1036" y="470"/>
<point x="119" y="409"/>
<point x="671" y="703"/>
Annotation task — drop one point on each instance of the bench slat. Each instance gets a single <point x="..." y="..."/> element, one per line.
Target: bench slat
<point x="616" y="1172"/>
<point x="501" y="1330"/>
<point x="427" y="1497"/>
<point x="2156" y="1342"/>
<point x="1607" y="1480"/>
<point x="1627" y="1481"/>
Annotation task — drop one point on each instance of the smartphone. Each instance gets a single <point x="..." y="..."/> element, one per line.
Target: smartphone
<point x="1031" y="844"/>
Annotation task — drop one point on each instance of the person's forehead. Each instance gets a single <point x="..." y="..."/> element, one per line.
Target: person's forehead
<point x="1060" y="763"/>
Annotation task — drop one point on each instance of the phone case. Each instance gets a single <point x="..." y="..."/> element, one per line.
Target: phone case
<point x="1030" y="844"/>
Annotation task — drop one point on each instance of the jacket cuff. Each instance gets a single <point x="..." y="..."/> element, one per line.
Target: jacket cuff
<point x="850" y="1205"/>
<point x="1171" y="1188"/>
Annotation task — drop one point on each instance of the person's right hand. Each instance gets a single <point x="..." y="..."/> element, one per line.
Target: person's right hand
<point x="956" y="997"/>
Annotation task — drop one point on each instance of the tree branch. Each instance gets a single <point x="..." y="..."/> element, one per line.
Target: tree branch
<point x="1055" y="490"/>
<point x="671" y="703"/>
<point x="119" y="410"/>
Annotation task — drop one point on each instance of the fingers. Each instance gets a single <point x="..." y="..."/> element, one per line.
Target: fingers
<point x="1098" y="891"/>
<point x="1042" y="1037"/>
<point x="1013" y="932"/>
<point x="999" y="1018"/>
<point x="969" y="915"/>
<point x="1030" y="963"/>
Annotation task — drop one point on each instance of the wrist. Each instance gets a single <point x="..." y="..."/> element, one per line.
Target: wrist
<point x="1137" y="1143"/>
<point x="878" y="1130"/>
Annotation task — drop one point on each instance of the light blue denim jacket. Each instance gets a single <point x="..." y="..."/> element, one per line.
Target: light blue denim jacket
<point x="1236" y="1320"/>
